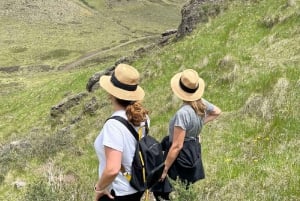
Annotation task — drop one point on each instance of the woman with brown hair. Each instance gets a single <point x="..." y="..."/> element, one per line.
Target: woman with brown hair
<point x="115" y="145"/>
<point x="186" y="125"/>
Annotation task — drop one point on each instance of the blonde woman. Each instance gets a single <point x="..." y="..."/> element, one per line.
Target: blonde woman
<point x="185" y="127"/>
<point x="115" y="145"/>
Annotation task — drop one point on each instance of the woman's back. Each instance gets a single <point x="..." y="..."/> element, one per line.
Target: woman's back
<point x="187" y="119"/>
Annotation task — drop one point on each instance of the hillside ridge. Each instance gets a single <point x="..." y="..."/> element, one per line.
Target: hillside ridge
<point x="248" y="56"/>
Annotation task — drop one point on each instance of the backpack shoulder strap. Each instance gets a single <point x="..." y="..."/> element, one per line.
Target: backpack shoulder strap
<point x="127" y="125"/>
<point x="146" y="127"/>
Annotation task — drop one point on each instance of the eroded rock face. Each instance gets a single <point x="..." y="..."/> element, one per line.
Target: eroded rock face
<point x="92" y="83"/>
<point x="91" y="106"/>
<point x="195" y="12"/>
<point x="66" y="104"/>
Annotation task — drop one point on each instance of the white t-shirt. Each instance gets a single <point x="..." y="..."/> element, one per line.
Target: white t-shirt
<point x="116" y="136"/>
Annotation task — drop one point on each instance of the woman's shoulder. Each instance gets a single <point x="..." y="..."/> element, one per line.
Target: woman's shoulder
<point x="184" y="110"/>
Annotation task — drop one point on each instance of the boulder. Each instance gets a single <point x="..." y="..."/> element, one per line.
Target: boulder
<point x="67" y="103"/>
<point x="19" y="144"/>
<point x="91" y="106"/>
<point x="10" y="69"/>
<point x="19" y="184"/>
<point x="92" y="83"/>
<point x="195" y="12"/>
<point x="169" y="32"/>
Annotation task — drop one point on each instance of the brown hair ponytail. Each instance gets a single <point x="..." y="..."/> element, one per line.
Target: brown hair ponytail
<point x="198" y="106"/>
<point x="135" y="111"/>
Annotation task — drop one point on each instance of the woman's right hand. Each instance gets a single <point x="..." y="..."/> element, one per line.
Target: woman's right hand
<point x="101" y="193"/>
<point x="164" y="175"/>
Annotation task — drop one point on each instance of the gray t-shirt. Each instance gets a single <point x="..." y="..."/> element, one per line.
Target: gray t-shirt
<point x="187" y="119"/>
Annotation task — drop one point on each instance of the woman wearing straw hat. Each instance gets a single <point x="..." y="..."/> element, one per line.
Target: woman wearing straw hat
<point x="188" y="120"/>
<point x="115" y="145"/>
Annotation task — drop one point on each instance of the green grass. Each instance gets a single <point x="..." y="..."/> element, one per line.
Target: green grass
<point x="249" y="153"/>
<point x="58" y="35"/>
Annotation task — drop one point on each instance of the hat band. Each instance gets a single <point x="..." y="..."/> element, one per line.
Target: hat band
<point x="121" y="85"/>
<point x="187" y="89"/>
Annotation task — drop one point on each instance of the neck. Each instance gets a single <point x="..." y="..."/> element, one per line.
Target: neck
<point x="117" y="107"/>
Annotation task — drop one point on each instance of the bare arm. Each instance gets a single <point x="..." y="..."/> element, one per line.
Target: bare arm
<point x="177" y="144"/>
<point x="112" y="168"/>
<point x="212" y="115"/>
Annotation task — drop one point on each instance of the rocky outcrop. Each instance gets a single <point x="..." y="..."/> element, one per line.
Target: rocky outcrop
<point x="165" y="38"/>
<point x="92" y="83"/>
<point x="94" y="79"/>
<point x="10" y="69"/>
<point x="91" y="106"/>
<point x="64" y="105"/>
<point x="195" y="12"/>
<point x="169" y="32"/>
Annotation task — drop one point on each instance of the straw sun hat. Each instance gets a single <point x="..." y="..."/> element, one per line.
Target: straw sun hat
<point x="187" y="85"/>
<point x="123" y="83"/>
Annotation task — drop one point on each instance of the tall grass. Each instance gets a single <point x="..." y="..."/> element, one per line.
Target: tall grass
<point x="249" y="153"/>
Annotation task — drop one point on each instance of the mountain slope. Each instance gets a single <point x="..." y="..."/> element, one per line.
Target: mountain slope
<point x="56" y="32"/>
<point x="249" y="58"/>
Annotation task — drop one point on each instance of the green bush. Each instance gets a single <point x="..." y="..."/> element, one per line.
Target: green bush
<point x="184" y="193"/>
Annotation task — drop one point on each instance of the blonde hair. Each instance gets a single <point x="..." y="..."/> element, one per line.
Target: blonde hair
<point x="198" y="106"/>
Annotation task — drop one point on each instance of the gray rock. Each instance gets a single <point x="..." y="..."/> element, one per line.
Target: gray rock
<point x="169" y="32"/>
<point x="64" y="130"/>
<point x="164" y="40"/>
<point x="19" y="184"/>
<point x="67" y="103"/>
<point x="19" y="144"/>
<point x="10" y="69"/>
<point x="140" y="51"/>
<point x="253" y="105"/>
<point x="91" y="106"/>
<point x="124" y="60"/>
<point x="195" y="12"/>
<point x="76" y="119"/>
<point x="92" y="83"/>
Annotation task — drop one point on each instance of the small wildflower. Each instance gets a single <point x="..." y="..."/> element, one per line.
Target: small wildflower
<point x="228" y="160"/>
<point x="267" y="138"/>
<point x="255" y="160"/>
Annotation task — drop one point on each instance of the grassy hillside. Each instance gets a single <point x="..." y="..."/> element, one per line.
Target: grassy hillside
<point x="56" y="32"/>
<point x="249" y="57"/>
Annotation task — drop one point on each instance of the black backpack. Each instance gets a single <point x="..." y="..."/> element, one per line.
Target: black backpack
<point x="188" y="165"/>
<point x="148" y="161"/>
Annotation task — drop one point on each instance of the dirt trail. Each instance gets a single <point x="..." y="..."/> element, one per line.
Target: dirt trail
<point x="91" y="55"/>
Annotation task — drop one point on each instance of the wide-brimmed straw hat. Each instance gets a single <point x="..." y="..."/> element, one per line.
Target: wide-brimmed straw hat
<point x="123" y="83"/>
<point x="187" y="85"/>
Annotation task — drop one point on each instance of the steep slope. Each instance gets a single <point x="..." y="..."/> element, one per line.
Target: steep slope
<point x="249" y="58"/>
<point x="56" y="32"/>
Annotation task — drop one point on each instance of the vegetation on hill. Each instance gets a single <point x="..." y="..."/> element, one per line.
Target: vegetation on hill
<point x="56" y="32"/>
<point x="249" y="58"/>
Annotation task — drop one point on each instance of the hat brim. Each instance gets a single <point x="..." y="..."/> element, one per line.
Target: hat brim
<point x="107" y="85"/>
<point x="180" y="93"/>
